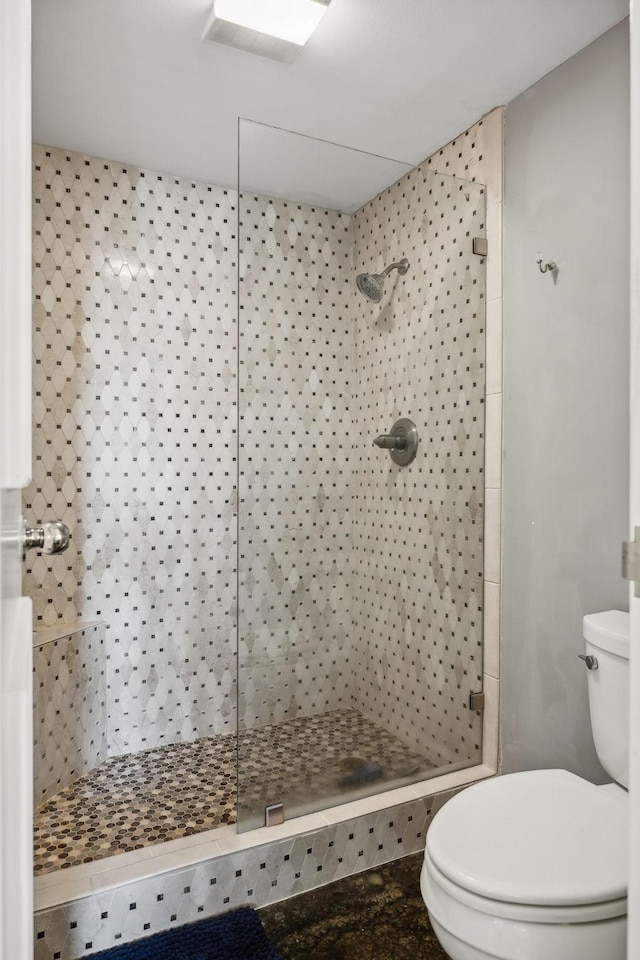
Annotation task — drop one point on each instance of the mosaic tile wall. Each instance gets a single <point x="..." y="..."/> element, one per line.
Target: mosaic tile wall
<point x="417" y="603"/>
<point x="69" y="709"/>
<point x="256" y="876"/>
<point x="134" y="435"/>
<point x="478" y="154"/>
<point x="134" y="416"/>
<point x="296" y="355"/>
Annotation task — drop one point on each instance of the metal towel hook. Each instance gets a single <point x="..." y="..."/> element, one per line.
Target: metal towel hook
<point x="550" y="265"/>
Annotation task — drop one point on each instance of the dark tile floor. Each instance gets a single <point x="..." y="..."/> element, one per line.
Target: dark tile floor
<point x="377" y="915"/>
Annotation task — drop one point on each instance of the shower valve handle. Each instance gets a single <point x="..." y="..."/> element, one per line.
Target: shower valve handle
<point x="390" y="441"/>
<point x="402" y="442"/>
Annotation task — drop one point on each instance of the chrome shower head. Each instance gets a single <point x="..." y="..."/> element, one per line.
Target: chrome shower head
<point x="371" y="284"/>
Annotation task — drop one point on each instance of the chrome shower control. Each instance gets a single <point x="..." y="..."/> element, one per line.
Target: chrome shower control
<point x="402" y="442"/>
<point x="591" y="662"/>
<point x="387" y="441"/>
<point x="52" y="537"/>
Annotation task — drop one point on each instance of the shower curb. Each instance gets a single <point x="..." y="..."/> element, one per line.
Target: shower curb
<point x="255" y="876"/>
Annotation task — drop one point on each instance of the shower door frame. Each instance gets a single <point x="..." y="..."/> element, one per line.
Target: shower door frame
<point x="16" y="696"/>
<point x="634" y="506"/>
<point x="489" y="723"/>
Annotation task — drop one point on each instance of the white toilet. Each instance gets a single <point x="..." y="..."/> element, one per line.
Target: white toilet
<point x="533" y="866"/>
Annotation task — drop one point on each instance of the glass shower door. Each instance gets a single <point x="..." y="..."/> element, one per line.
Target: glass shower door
<point x="360" y="580"/>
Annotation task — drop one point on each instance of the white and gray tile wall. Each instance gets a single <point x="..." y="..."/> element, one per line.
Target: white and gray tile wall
<point x="478" y="154"/>
<point x="418" y="530"/>
<point x="295" y="372"/>
<point x="69" y="706"/>
<point x="134" y="435"/>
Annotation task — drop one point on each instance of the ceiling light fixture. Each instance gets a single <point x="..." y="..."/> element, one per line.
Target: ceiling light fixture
<point x="271" y="28"/>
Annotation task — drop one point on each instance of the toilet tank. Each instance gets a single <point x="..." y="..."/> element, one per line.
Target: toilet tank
<point x="607" y="639"/>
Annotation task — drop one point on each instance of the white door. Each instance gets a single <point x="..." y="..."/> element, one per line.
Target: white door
<point x="634" y="786"/>
<point x="15" y="466"/>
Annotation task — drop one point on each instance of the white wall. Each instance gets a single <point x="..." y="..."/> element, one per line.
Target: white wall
<point x="566" y="395"/>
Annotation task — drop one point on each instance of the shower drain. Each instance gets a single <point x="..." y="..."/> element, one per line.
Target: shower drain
<point x="351" y="763"/>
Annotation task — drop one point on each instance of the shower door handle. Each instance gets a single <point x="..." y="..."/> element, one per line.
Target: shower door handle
<point x="52" y="537"/>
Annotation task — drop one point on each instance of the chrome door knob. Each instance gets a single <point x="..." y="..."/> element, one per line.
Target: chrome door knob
<point x="52" y="537"/>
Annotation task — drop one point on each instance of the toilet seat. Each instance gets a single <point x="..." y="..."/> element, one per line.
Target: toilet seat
<point x="437" y="885"/>
<point x="545" y="840"/>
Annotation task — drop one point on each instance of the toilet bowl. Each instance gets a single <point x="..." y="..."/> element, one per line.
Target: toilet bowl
<point x="533" y="865"/>
<point x="530" y="866"/>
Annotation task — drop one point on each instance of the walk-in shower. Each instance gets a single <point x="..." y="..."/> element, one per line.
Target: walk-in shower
<point x="311" y="632"/>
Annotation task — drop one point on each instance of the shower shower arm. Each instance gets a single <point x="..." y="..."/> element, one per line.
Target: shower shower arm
<point x="402" y="266"/>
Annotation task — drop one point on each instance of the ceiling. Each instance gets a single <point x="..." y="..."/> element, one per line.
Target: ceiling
<point x="131" y="80"/>
<point x="278" y="163"/>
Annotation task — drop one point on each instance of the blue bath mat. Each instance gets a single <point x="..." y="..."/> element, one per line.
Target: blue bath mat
<point x="238" y="935"/>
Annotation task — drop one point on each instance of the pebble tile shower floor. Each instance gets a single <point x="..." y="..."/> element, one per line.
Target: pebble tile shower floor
<point x="140" y="799"/>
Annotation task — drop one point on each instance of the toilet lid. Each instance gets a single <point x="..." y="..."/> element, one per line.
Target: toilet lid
<point x="544" y="837"/>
